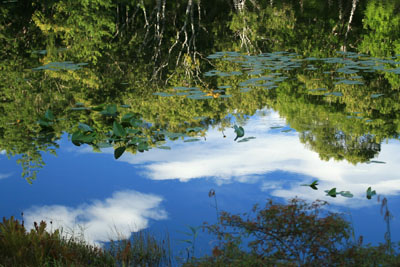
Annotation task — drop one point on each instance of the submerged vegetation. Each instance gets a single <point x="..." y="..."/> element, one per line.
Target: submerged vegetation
<point x="293" y="234"/>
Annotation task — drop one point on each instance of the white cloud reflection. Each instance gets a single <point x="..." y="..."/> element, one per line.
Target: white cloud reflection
<point x="5" y="175"/>
<point x="125" y="212"/>
<point x="271" y="151"/>
<point x="262" y="158"/>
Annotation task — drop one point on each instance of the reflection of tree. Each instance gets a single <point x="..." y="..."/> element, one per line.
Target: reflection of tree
<point x="382" y="35"/>
<point x="331" y="143"/>
<point x="134" y="47"/>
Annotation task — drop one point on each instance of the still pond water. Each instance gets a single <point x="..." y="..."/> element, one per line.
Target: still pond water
<point x="126" y="116"/>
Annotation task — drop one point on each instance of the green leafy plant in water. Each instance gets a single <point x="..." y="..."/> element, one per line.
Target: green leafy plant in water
<point x="333" y="193"/>
<point x="313" y="185"/>
<point x="239" y="131"/>
<point x="370" y="193"/>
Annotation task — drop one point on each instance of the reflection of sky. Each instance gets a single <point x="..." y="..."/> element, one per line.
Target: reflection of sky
<point x="119" y="215"/>
<point x="166" y="190"/>
<point x="225" y="160"/>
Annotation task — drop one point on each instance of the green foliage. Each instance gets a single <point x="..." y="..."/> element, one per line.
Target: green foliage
<point x="294" y="234"/>
<point x="141" y="249"/>
<point x="38" y="247"/>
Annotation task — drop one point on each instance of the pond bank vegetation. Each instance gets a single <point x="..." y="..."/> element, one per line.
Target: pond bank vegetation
<point x="293" y="234"/>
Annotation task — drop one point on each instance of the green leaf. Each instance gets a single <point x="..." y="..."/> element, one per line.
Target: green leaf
<point x="84" y="127"/>
<point x="239" y="131"/>
<point x="313" y="185"/>
<point x="79" y="138"/>
<point x="44" y="123"/>
<point x="162" y="94"/>
<point x="118" y="129"/>
<point x="80" y="108"/>
<point x="331" y="192"/>
<point x="346" y="194"/>
<point x="119" y="151"/>
<point x="165" y="147"/>
<point x="111" y="110"/>
<point x="75" y="138"/>
<point x="88" y="138"/>
<point x="127" y="117"/>
<point x="246" y="139"/>
<point x="143" y="146"/>
<point x="376" y="95"/>
<point x="132" y="131"/>
<point x="376" y="161"/>
<point x="135" y="122"/>
<point x="98" y="108"/>
<point x="370" y="193"/>
<point x="49" y="115"/>
<point x="191" y="140"/>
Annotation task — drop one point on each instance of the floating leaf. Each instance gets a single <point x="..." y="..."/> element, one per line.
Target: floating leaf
<point x="127" y="117"/>
<point x="246" y="139"/>
<point x="119" y="151"/>
<point x="337" y="93"/>
<point x="348" y="82"/>
<point x="165" y="147"/>
<point x="118" y="129"/>
<point x="313" y="185"/>
<point x="162" y="94"/>
<point x="79" y="108"/>
<point x="135" y="122"/>
<point x="376" y="161"/>
<point x="191" y="140"/>
<point x="224" y="96"/>
<point x="49" y="115"/>
<point x="346" y="194"/>
<point x="370" y="193"/>
<point x="331" y="193"/>
<point x="195" y="129"/>
<point x="111" y="110"/>
<point x="376" y="95"/>
<point x="239" y="132"/>
<point x="99" y="107"/>
<point x="44" y="123"/>
<point x="84" y="127"/>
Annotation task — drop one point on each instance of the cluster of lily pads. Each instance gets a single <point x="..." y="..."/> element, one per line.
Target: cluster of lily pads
<point x="57" y="66"/>
<point x="195" y="92"/>
<point x="269" y="69"/>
